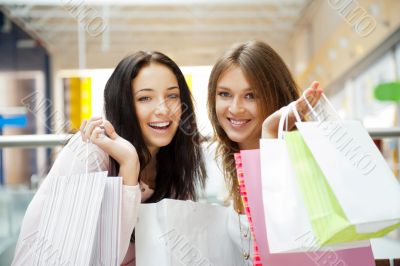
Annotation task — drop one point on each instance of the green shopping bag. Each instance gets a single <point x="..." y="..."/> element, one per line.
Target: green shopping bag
<point x="327" y="218"/>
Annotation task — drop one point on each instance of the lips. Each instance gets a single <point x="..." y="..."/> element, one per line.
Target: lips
<point x="238" y="122"/>
<point x="160" y="126"/>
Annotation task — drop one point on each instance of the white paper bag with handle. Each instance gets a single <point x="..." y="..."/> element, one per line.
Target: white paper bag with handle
<point x="175" y="232"/>
<point x="286" y="216"/>
<point x="355" y="169"/>
<point x="79" y="224"/>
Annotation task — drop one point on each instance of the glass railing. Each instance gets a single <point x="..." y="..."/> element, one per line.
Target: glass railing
<point x="13" y="204"/>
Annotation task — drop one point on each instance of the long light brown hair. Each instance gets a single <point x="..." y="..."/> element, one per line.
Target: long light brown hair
<point x="271" y="81"/>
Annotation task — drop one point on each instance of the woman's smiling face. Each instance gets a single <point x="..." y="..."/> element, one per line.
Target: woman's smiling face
<point x="236" y="108"/>
<point x="158" y="105"/>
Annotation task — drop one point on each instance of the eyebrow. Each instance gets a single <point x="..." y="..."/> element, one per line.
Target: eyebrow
<point x="228" y="89"/>
<point x="150" y="89"/>
<point x="222" y="87"/>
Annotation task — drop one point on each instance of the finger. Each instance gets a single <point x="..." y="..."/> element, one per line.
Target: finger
<point x="312" y="89"/>
<point x="84" y="125"/>
<point x="310" y="95"/>
<point x="314" y="93"/>
<point x="94" y="118"/>
<point x="305" y="105"/>
<point x="310" y="98"/>
<point x="317" y="96"/>
<point x="314" y="85"/>
<point x="313" y="98"/>
<point x="98" y="133"/>
<point x="90" y="127"/>
<point x="109" y="129"/>
<point x="302" y="107"/>
<point x="310" y="104"/>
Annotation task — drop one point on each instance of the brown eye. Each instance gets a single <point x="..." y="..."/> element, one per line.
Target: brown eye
<point x="144" y="99"/>
<point x="249" y="96"/>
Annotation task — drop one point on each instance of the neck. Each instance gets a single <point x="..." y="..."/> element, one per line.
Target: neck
<point x="151" y="166"/>
<point x="249" y="145"/>
<point x="153" y="151"/>
<point x="149" y="172"/>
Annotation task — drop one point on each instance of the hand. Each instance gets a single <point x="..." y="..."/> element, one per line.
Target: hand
<point x="102" y="133"/>
<point x="271" y="123"/>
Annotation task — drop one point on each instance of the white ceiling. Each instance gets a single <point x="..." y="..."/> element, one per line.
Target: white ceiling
<point x="192" y="33"/>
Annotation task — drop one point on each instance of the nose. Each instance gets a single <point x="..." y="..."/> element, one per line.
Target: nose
<point x="162" y="108"/>
<point x="236" y="106"/>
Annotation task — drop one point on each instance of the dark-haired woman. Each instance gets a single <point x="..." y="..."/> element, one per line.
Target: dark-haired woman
<point x="148" y="136"/>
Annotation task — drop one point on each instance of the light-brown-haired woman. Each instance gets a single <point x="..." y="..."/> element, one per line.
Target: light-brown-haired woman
<point x="248" y="87"/>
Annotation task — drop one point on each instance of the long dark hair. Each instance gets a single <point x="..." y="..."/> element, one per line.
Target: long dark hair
<point x="180" y="166"/>
<point x="268" y="76"/>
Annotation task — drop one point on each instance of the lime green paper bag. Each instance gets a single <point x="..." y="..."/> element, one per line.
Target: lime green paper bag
<point x="327" y="218"/>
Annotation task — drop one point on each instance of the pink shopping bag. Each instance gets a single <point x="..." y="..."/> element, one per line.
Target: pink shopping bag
<point x="245" y="201"/>
<point x="252" y="176"/>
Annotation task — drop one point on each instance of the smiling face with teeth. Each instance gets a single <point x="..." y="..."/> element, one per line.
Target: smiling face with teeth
<point x="236" y="109"/>
<point x="158" y="106"/>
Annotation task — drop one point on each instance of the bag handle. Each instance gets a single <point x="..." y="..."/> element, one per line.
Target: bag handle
<point x="292" y="107"/>
<point x="283" y="119"/>
<point x="314" y="111"/>
<point x="87" y="143"/>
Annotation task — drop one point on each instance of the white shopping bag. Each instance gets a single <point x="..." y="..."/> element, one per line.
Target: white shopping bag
<point x="359" y="176"/>
<point x="107" y="240"/>
<point x="286" y="217"/>
<point x="79" y="223"/>
<point x="174" y="233"/>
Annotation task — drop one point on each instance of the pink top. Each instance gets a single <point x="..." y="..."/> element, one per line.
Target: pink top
<point x="68" y="163"/>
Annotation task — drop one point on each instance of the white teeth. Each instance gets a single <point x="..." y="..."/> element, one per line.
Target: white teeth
<point x="161" y="124"/>
<point x="238" y="122"/>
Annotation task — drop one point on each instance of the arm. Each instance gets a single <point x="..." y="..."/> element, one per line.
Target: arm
<point x="131" y="198"/>
<point x="125" y="154"/>
<point x="270" y="125"/>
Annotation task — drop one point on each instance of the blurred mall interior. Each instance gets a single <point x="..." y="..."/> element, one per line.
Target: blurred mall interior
<point x="56" y="56"/>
